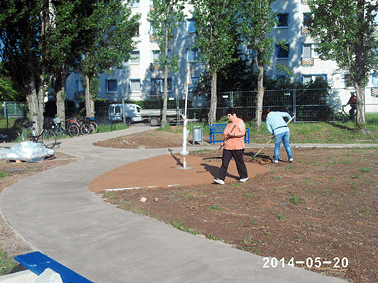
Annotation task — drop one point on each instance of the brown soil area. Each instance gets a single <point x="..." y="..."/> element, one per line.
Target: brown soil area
<point x="323" y="207"/>
<point x="167" y="170"/>
<point x="10" y="173"/>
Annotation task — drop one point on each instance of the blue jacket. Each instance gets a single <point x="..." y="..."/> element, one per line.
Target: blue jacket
<point x="276" y="124"/>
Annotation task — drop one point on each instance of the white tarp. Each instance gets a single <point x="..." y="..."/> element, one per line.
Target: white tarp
<point x="26" y="151"/>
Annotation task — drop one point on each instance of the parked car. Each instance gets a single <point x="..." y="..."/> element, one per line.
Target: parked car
<point x="134" y="113"/>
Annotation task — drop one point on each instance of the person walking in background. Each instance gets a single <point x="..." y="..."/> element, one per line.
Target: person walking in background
<point x="353" y="105"/>
<point x="233" y="147"/>
<point x="277" y="126"/>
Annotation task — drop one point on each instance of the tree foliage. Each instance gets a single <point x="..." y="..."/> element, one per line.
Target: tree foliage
<point x="255" y="24"/>
<point x="8" y="90"/>
<point x="215" y="38"/>
<point x="345" y="31"/>
<point x="165" y="17"/>
<point x="105" y="41"/>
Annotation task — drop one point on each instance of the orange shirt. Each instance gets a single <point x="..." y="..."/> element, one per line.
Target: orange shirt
<point x="234" y="143"/>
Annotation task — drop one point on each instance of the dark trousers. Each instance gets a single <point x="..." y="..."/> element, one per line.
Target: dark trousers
<point x="352" y="110"/>
<point x="240" y="165"/>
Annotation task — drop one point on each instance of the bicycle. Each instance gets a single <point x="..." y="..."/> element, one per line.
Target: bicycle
<point x="92" y="124"/>
<point x="70" y="129"/>
<point x="47" y="136"/>
<point x="82" y="128"/>
<point x="343" y="116"/>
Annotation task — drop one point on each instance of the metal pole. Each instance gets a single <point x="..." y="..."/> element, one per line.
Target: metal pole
<point x="295" y="104"/>
<point x="184" y="153"/>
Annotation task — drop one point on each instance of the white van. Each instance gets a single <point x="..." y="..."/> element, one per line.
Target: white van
<point x="130" y="111"/>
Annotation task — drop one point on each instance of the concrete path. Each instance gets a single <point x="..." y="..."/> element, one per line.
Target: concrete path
<point x="56" y="214"/>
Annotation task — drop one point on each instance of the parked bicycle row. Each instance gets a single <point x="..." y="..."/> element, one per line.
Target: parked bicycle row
<point x="53" y="129"/>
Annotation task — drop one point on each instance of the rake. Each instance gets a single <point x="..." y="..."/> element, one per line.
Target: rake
<point x="254" y="157"/>
<point x="206" y="159"/>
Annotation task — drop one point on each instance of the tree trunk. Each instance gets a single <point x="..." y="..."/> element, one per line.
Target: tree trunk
<point x="61" y="96"/>
<point x="33" y="104"/>
<point x="165" y="96"/>
<point x="260" y="96"/>
<point x="360" y="94"/>
<point x="212" y="116"/>
<point x="89" y="102"/>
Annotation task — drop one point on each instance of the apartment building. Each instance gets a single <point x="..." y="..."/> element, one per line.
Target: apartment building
<point x="140" y="78"/>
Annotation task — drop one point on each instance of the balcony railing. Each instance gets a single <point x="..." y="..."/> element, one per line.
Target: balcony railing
<point x="305" y="30"/>
<point x="307" y="62"/>
<point x="374" y="91"/>
<point x="154" y="67"/>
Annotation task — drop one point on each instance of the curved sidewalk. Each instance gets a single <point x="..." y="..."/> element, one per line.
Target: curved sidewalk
<point x="55" y="212"/>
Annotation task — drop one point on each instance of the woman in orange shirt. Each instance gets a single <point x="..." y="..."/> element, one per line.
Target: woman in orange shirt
<point x="233" y="147"/>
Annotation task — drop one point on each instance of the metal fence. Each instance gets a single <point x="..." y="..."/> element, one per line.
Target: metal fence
<point x="308" y="105"/>
<point x="13" y="109"/>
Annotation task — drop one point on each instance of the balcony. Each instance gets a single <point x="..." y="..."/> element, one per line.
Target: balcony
<point x="374" y="91"/>
<point x="305" y="30"/>
<point x="154" y="66"/>
<point x="307" y="62"/>
<point x="155" y="95"/>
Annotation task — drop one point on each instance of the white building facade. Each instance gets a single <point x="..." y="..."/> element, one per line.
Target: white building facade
<point x="140" y="79"/>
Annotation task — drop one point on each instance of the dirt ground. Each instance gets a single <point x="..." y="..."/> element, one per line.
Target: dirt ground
<point x="321" y="209"/>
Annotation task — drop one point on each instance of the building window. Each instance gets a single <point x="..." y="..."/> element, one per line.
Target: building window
<point x="135" y="84"/>
<point x="193" y="55"/>
<point x="282" y="51"/>
<point x="194" y="83"/>
<point x="191" y="27"/>
<point x="374" y="81"/>
<point x="374" y="89"/>
<point x="158" y="85"/>
<point x="155" y="55"/>
<point x="251" y="54"/>
<point x="307" y="55"/>
<point x="283" y="20"/>
<point x="309" y="78"/>
<point x="111" y="85"/>
<point x="78" y="85"/>
<point x="135" y="57"/>
<point x="282" y="78"/>
<point x="306" y="17"/>
<point x="152" y="37"/>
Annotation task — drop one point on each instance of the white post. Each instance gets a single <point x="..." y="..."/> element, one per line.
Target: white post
<point x="184" y="153"/>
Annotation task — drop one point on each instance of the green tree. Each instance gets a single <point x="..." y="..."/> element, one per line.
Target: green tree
<point x="255" y="22"/>
<point x="65" y="25"/>
<point x="106" y="42"/>
<point x="20" y="37"/>
<point x="8" y="91"/>
<point x="165" y="17"/>
<point x="215" y="39"/>
<point x="36" y="43"/>
<point x="345" y="31"/>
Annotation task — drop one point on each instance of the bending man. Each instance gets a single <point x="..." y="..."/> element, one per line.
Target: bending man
<point x="277" y="126"/>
